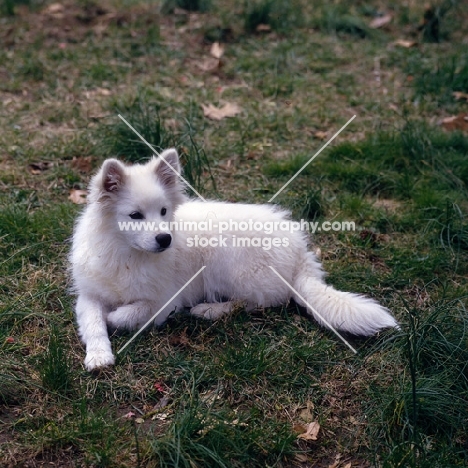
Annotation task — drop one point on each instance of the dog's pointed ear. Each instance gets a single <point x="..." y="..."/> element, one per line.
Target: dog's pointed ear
<point x="168" y="169"/>
<point x="113" y="175"/>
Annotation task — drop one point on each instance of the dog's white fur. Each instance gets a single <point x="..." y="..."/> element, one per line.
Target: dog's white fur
<point x="123" y="277"/>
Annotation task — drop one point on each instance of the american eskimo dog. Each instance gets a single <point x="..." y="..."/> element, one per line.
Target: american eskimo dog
<point x="130" y="257"/>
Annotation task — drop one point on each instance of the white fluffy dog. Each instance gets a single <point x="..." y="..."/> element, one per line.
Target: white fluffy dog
<point x="123" y="276"/>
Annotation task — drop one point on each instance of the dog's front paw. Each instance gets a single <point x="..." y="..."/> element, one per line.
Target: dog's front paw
<point x="98" y="358"/>
<point x="212" y="311"/>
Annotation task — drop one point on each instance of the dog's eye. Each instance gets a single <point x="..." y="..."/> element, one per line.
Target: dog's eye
<point x="163" y="211"/>
<point x="136" y="215"/>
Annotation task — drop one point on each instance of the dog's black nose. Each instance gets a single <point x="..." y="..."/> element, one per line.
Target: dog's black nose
<point x="164" y="240"/>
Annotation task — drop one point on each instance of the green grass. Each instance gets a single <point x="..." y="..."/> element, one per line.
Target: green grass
<point x="201" y="433"/>
<point x="278" y="15"/>
<point x="439" y="81"/>
<point x="337" y="20"/>
<point x="232" y="393"/>
<point x="54" y="365"/>
<point x="201" y="6"/>
<point x="415" y="159"/>
<point x="422" y="414"/>
<point x="118" y="139"/>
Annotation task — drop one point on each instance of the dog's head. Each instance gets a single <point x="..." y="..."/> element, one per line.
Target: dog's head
<point x="140" y="200"/>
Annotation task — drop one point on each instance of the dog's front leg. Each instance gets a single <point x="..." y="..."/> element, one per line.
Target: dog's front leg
<point x="133" y="316"/>
<point x="90" y="315"/>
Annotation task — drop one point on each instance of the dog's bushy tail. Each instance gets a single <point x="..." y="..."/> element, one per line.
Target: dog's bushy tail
<point x="340" y="310"/>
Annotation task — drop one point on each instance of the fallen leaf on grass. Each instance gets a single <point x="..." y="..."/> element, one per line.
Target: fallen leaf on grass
<point x="311" y="431"/>
<point x="54" y="9"/>
<point x="38" y="167"/>
<point x="83" y="164"/>
<point x="320" y="135"/>
<point x="337" y="461"/>
<point x="217" y="50"/>
<point x="209" y="64"/>
<point x="214" y="113"/>
<point x="139" y="420"/>
<point x="93" y="93"/>
<point x="458" y="95"/>
<point x="404" y="43"/>
<point x="306" y="412"/>
<point x="78" y="196"/>
<point x="456" y="122"/>
<point x="263" y="28"/>
<point x="380" y="21"/>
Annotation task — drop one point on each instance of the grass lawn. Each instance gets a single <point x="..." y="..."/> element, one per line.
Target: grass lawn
<point x="243" y="391"/>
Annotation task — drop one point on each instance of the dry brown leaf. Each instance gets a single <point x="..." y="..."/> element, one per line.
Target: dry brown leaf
<point x="214" y="113"/>
<point x="306" y="412"/>
<point x="263" y="28"/>
<point x="78" y="196"/>
<point x="83" y="164"/>
<point x="217" y="50"/>
<point x="54" y="9"/>
<point x="299" y="428"/>
<point x="348" y="465"/>
<point x="458" y="95"/>
<point x="388" y="204"/>
<point x="38" y="167"/>
<point x="320" y="135"/>
<point x="311" y="431"/>
<point x="209" y="64"/>
<point x="405" y="43"/>
<point x="93" y="93"/>
<point x="380" y="21"/>
<point x="337" y="461"/>
<point x="456" y="122"/>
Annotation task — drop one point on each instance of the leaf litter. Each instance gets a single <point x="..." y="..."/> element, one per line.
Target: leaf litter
<point x="219" y="113"/>
<point x="78" y="196"/>
<point x="456" y="122"/>
<point x="308" y="431"/>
